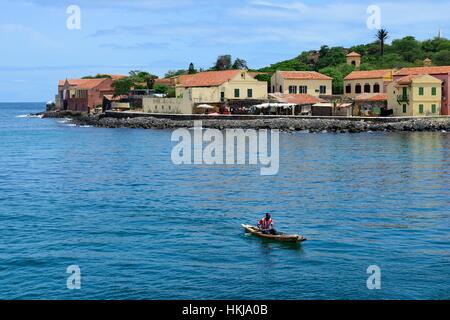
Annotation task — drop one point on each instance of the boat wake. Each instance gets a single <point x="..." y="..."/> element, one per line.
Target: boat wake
<point x="39" y="116"/>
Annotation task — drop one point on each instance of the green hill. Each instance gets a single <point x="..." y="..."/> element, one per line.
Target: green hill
<point x="406" y="52"/>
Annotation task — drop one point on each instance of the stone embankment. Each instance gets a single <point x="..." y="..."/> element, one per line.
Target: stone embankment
<point x="283" y="123"/>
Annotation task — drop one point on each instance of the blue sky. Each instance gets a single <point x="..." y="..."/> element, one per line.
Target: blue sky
<point x="116" y="36"/>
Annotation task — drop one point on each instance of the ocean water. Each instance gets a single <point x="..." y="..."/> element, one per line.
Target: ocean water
<point x="139" y="227"/>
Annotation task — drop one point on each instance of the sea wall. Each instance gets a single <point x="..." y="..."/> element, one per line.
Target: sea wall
<point x="352" y="125"/>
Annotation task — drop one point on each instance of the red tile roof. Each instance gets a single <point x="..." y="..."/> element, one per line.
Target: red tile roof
<point x="303" y="75"/>
<point x="82" y="83"/>
<point x="423" y="70"/>
<point x="353" y="54"/>
<point x="207" y="79"/>
<point x="408" y="79"/>
<point x="300" y="99"/>
<point x="372" y="74"/>
<point x="372" y="97"/>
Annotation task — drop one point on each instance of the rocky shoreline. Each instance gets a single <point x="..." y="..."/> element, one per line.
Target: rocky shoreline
<point x="283" y="124"/>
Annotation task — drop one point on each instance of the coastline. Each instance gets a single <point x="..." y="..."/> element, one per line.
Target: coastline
<point x="286" y="124"/>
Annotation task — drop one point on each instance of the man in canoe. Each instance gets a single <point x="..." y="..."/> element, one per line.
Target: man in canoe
<point x="266" y="225"/>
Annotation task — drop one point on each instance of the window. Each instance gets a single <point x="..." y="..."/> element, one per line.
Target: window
<point x="367" y="88"/>
<point x="433" y="108"/>
<point x="358" y="88"/>
<point x="222" y="96"/>
<point x="281" y="89"/>
<point x="323" y="89"/>
<point x="250" y="93"/>
<point x="236" y="93"/>
<point x="404" y="108"/>
<point x="303" y="89"/>
<point x="421" y="91"/>
<point x="420" y="108"/>
<point x="433" y="91"/>
<point x="405" y="93"/>
<point x="376" y="88"/>
<point x="353" y="63"/>
<point x="273" y="89"/>
<point x="162" y="107"/>
<point x="348" y="88"/>
<point x="292" y="89"/>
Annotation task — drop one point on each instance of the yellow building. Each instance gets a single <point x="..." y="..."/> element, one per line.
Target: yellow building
<point x="374" y="81"/>
<point x="415" y="95"/>
<point x="301" y="82"/>
<point x="221" y="86"/>
<point x="217" y="89"/>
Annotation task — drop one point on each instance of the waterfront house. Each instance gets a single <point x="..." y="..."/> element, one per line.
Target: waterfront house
<point x="415" y="95"/>
<point x="374" y="81"/>
<point x="301" y="82"/>
<point x="224" y="90"/>
<point x="442" y="73"/>
<point x="83" y="95"/>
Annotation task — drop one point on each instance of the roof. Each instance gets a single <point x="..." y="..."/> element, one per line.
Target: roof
<point x="353" y="54"/>
<point x="207" y="79"/>
<point x="83" y="83"/>
<point x="373" y="74"/>
<point x="303" y="75"/>
<point x="423" y="70"/>
<point x="410" y="78"/>
<point x="372" y="97"/>
<point x="299" y="99"/>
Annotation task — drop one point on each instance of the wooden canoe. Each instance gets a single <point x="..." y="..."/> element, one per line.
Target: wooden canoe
<point x="282" y="237"/>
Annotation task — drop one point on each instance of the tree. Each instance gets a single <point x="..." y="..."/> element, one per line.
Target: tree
<point x="174" y="73"/>
<point x="442" y="58"/>
<point x="239" y="64"/>
<point x="122" y="86"/>
<point x="223" y="63"/>
<point x="161" y="89"/>
<point x="409" y="48"/>
<point x="192" y="69"/>
<point x="382" y="35"/>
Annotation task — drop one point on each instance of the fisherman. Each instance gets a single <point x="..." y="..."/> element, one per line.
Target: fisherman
<point x="266" y="225"/>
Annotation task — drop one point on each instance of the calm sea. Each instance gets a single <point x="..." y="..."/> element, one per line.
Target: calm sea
<point x="139" y="227"/>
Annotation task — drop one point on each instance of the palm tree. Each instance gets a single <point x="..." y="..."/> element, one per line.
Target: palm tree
<point x="382" y="35"/>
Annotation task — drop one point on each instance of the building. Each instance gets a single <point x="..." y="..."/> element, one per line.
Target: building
<point x="221" y="87"/>
<point x="83" y="95"/>
<point x="374" y="81"/>
<point x="354" y="59"/>
<point x="442" y="73"/>
<point x="415" y="95"/>
<point x="371" y="105"/>
<point x="223" y="90"/>
<point x="301" y="82"/>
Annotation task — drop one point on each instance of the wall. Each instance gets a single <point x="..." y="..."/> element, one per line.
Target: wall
<point x="168" y="105"/>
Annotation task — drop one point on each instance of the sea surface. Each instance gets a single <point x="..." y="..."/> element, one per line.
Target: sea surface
<point x="139" y="227"/>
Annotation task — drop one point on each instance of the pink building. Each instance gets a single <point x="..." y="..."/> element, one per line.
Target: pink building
<point x="84" y="94"/>
<point x="442" y="73"/>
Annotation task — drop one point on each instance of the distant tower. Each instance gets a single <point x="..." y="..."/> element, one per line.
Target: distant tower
<point x="354" y="59"/>
<point x="440" y="35"/>
<point x="427" y="62"/>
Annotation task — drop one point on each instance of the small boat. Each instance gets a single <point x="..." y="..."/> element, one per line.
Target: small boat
<point x="282" y="237"/>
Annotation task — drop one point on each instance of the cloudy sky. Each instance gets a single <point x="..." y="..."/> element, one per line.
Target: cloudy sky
<point x="116" y="36"/>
